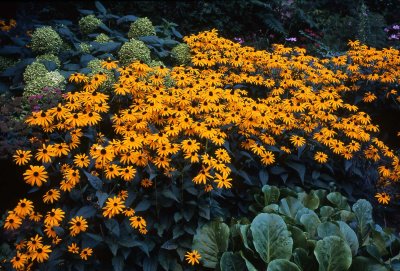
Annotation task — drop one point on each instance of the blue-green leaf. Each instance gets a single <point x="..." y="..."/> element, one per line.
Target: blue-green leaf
<point x="118" y="263"/>
<point x="86" y="211"/>
<point x="127" y="18"/>
<point x="113" y="226"/>
<point x="94" y="181"/>
<point x="100" y="7"/>
<point x="299" y="168"/>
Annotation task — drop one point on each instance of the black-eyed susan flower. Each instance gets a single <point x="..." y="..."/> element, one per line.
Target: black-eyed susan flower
<point x="321" y="157"/>
<point x="41" y="254"/>
<point x="36" y="175"/>
<point x="146" y="183"/>
<point x="267" y="158"/>
<point x="129" y="212"/>
<point x="45" y="154"/>
<point x="137" y="222"/>
<point x="109" y="64"/>
<point x="24" y="208"/>
<point x="223" y="181"/>
<point x="78" y="224"/>
<point x="112" y="171"/>
<point x="34" y="243"/>
<point x="202" y="176"/>
<point x="81" y="160"/>
<point x="12" y="222"/>
<point x="297" y="141"/>
<point x="193" y="257"/>
<point x="22" y="157"/>
<point x="54" y="217"/>
<point x="77" y="78"/>
<point x="35" y="216"/>
<point x="61" y="149"/>
<point x="113" y="206"/>
<point x="73" y="248"/>
<point x="85" y="253"/>
<point x="127" y="173"/>
<point x="18" y="261"/>
<point x="49" y="231"/>
<point x="382" y="198"/>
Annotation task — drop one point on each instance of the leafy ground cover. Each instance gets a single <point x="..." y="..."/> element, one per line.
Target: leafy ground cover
<point x="139" y="146"/>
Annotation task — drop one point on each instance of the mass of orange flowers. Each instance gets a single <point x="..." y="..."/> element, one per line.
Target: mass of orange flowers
<point x="166" y="118"/>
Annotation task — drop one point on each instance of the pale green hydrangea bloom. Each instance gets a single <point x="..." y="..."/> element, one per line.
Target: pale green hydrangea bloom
<point x="49" y="57"/>
<point x="46" y="40"/>
<point x="141" y="27"/>
<point x="85" y="47"/>
<point x="89" y="24"/>
<point x="181" y="54"/>
<point x="102" y="38"/>
<point x="34" y="71"/>
<point x="134" y="50"/>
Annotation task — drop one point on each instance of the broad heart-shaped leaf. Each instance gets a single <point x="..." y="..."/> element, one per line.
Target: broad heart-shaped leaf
<point x="289" y="206"/>
<point x="311" y="200"/>
<point x="271" y="194"/>
<point x="366" y="264"/>
<point x="94" y="181"/>
<point x="310" y="222"/>
<point x="86" y="211"/>
<point x="333" y="254"/>
<point x="298" y="236"/>
<point x="211" y="241"/>
<point x="299" y="168"/>
<point x="263" y="174"/>
<point x="271" y="238"/>
<point x="350" y="236"/>
<point x="303" y="260"/>
<point x="328" y="229"/>
<point x="282" y="265"/>
<point x="338" y="200"/>
<point x="232" y="262"/>
<point x="363" y="211"/>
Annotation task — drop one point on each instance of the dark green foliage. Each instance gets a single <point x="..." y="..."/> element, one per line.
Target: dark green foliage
<point x="286" y="235"/>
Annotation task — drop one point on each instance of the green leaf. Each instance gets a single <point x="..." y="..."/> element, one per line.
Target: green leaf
<point x="350" y="236"/>
<point x="211" y="241"/>
<point x="244" y="229"/>
<point x="338" y="200"/>
<point x="271" y="238"/>
<point x="118" y="263"/>
<point x="366" y="264"/>
<point x="333" y="254"/>
<point x="150" y="264"/>
<point x="298" y="236"/>
<point x="299" y="168"/>
<point x="86" y="211"/>
<point x="311" y="200"/>
<point x="363" y="211"/>
<point x="100" y="7"/>
<point x="289" y="206"/>
<point x="94" y="181"/>
<point x="310" y="222"/>
<point x="170" y="195"/>
<point x="249" y="265"/>
<point x="263" y="174"/>
<point x="328" y="229"/>
<point x="326" y="211"/>
<point x="271" y="194"/>
<point x="232" y="262"/>
<point x="281" y="264"/>
<point x="113" y="226"/>
<point x="142" y="206"/>
<point x="303" y="260"/>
